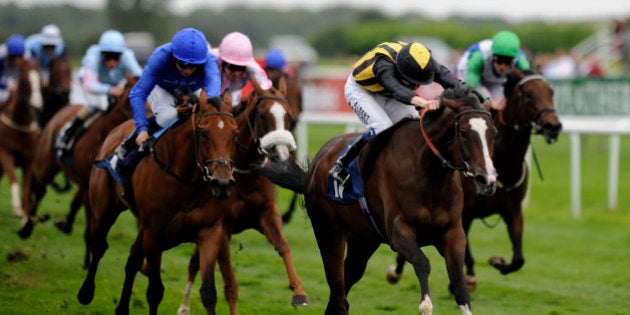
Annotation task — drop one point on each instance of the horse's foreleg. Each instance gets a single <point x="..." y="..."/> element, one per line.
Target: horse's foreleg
<point x="66" y="224"/>
<point x="271" y="226"/>
<point x="454" y="250"/>
<point x="153" y="255"/>
<point x="133" y="265"/>
<point x="469" y="260"/>
<point x="514" y="222"/>
<point x="193" y="269"/>
<point x="407" y="247"/>
<point x="230" y="285"/>
<point x="8" y="164"/>
<point x="209" y="243"/>
<point x="395" y="272"/>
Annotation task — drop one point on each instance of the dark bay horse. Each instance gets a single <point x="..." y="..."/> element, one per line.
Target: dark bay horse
<point x="265" y="122"/>
<point x="46" y="165"/>
<point x="414" y="197"/>
<point x="177" y="194"/>
<point x="529" y="110"/>
<point x="56" y="94"/>
<point x="18" y="135"/>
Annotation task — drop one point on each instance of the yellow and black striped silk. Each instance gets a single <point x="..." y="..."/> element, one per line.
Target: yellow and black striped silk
<point x="363" y="71"/>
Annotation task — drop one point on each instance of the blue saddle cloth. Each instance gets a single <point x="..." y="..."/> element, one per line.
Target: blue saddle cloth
<point x="353" y="188"/>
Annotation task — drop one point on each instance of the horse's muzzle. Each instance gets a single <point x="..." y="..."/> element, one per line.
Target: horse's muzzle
<point x="221" y="189"/>
<point x="485" y="186"/>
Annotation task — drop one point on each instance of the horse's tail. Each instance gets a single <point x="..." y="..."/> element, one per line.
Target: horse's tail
<point x="287" y="174"/>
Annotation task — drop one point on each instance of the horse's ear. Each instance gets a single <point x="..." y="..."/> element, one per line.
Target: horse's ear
<point x="282" y="85"/>
<point x="227" y="98"/>
<point x="128" y="76"/>
<point x="255" y="83"/>
<point x="203" y="97"/>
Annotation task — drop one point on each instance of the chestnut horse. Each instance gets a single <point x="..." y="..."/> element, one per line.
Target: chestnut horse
<point x="57" y="93"/>
<point x="413" y="196"/>
<point x="175" y="195"/>
<point x="529" y="110"/>
<point x="265" y="120"/>
<point x="19" y="133"/>
<point x="46" y="165"/>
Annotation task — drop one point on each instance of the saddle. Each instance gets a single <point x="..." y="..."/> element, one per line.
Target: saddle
<point x="65" y="149"/>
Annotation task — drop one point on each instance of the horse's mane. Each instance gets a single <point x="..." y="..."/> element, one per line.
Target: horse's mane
<point x="513" y="78"/>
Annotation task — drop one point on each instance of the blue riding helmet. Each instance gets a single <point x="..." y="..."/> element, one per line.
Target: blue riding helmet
<point x="190" y="46"/>
<point x="15" y="45"/>
<point x="275" y="59"/>
<point x="112" y="41"/>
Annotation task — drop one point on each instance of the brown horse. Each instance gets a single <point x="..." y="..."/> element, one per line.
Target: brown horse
<point x="19" y="133"/>
<point x="413" y="196"/>
<point x="175" y="195"/>
<point x="265" y="120"/>
<point x="46" y="165"/>
<point x="56" y="94"/>
<point x="529" y="109"/>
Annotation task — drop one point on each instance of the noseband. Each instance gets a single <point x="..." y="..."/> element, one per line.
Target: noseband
<point x="465" y="168"/>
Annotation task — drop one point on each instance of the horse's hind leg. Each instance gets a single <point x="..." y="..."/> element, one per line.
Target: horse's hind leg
<point x="271" y="226"/>
<point x="286" y="217"/>
<point x="359" y="252"/>
<point x="8" y="164"/>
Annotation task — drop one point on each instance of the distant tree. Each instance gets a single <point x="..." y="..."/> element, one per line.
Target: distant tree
<point x="141" y="15"/>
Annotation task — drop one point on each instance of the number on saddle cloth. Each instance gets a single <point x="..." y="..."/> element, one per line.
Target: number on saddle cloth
<point x="352" y="191"/>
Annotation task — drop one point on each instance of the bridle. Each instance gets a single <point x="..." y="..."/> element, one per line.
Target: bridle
<point x="201" y="163"/>
<point x="465" y="168"/>
<point x="532" y="124"/>
<point x="255" y="137"/>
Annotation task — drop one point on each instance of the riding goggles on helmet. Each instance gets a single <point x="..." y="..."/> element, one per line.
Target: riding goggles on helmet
<point x="502" y="60"/>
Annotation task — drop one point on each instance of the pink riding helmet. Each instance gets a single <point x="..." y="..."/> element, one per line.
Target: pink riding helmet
<point x="236" y="48"/>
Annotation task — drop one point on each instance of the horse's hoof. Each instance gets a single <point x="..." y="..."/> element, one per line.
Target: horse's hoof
<point x="392" y="276"/>
<point x="63" y="226"/>
<point x="26" y="230"/>
<point x="497" y="261"/>
<point x="300" y="300"/>
<point x="471" y="283"/>
<point x="86" y="294"/>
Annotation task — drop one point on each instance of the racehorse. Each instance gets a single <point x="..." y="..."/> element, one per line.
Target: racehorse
<point x="56" y="94"/>
<point x="46" y="165"/>
<point x="175" y="194"/>
<point x="529" y="110"/>
<point x="413" y="196"/>
<point x="265" y="119"/>
<point x="19" y="133"/>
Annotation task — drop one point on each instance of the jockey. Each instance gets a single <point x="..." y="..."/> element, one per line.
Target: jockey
<point x="102" y="76"/>
<point x="487" y="63"/>
<point x="45" y="46"/>
<point x="381" y="83"/>
<point x="10" y="52"/>
<point x="184" y="64"/>
<point x="237" y="63"/>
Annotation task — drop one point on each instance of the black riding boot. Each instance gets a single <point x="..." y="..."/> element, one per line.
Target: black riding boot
<point x="127" y="145"/>
<point x="70" y="133"/>
<point x="338" y="171"/>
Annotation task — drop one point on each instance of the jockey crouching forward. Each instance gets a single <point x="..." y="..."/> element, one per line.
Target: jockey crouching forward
<point x="380" y="86"/>
<point x="102" y="75"/>
<point x="184" y="64"/>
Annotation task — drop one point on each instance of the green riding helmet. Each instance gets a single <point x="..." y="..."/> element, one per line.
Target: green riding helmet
<point x="506" y="43"/>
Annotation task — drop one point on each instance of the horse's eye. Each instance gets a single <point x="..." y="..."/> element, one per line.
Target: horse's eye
<point x="203" y="134"/>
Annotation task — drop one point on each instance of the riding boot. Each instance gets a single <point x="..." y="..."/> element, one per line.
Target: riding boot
<point x="127" y="145"/>
<point x="338" y="171"/>
<point x="70" y="133"/>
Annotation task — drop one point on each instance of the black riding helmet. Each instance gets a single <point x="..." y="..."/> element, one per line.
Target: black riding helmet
<point x="415" y="64"/>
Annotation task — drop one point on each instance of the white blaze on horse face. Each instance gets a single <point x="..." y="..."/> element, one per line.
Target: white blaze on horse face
<point x="278" y="113"/>
<point x="221" y="124"/>
<point x="479" y="125"/>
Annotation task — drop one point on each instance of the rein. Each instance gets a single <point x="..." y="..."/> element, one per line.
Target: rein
<point x="445" y="163"/>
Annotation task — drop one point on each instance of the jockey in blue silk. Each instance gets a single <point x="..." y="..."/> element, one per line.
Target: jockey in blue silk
<point x="44" y="46"/>
<point x="382" y="83"/>
<point x="184" y="64"/>
<point x="14" y="50"/>
<point x="485" y="64"/>
<point x="102" y="78"/>
<point x="237" y="63"/>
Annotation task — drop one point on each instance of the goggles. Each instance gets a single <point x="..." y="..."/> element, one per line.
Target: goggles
<point x="502" y="60"/>
<point x="234" y="68"/>
<point x="111" y="56"/>
<point x="186" y="65"/>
